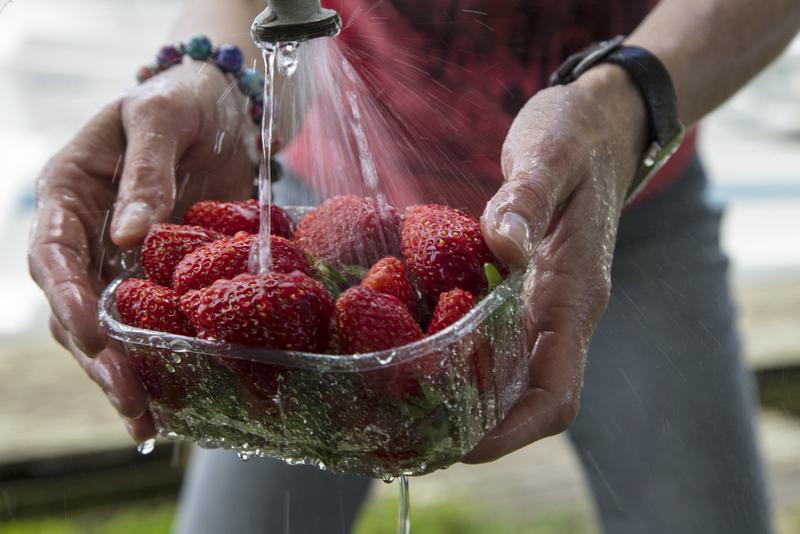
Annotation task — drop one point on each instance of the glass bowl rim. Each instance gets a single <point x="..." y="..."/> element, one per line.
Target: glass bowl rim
<point x="304" y="360"/>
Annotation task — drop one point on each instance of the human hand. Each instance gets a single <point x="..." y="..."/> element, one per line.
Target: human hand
<point x="181" y="136"/>
<point x="569" y="160"/>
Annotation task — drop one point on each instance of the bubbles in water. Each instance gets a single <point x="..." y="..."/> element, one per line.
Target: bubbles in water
<point x="287" y="59"/>
<point x="146" y="447"/>
<point x="172" y="436"/>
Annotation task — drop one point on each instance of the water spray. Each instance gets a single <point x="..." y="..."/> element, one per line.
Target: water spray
<point x="295" y="21"/>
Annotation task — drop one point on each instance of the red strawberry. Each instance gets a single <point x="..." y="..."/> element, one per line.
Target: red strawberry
<point x="143" y="304"/>
<point x="275" y="310"/>
<point x="287" y="257"/>
<point x="239" y="216"/>
<point x="165" y="386"/>
<point x="444" y="249"/>
<point x="350" y="230"/>
<point x="452" y="306"/>
<point x="167" y="244"/>
<point x="369" y="321"/>
<point x="229" y="257"/>
<point x="388" y="276"/>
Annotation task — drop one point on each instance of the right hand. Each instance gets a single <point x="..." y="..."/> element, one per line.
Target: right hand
<point x="145" y="157"/>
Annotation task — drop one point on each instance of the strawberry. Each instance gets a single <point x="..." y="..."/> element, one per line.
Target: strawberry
<point x="452" y="306"/>
<point x="273" y="310"/>
<point x="230" y="257"/>
<point x="143" y="304"/>
<point x="237" y="216"/>
<point x="167" y="244"/>
<point x="388" y="276"/>
<point x="287" y="257"/>
<point x="369" y="321"/>
<point x="165" y="381"/>
<point x="350" y="230"/>
<point x="444" y="249"/>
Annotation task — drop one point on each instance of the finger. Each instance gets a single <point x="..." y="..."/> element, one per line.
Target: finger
<point x="556" y="361"/>
<point x="141" y="428"/>
<point x="155" y="130"/>
<point x="69" y="206"/>
<point x="59" y="263"/>
<point x="110" y="371"/>
<point x="567" y="295"/>
<point x="538" y="181"/>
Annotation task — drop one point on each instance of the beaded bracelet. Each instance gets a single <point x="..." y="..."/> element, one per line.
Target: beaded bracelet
<point x="228" y="58"/>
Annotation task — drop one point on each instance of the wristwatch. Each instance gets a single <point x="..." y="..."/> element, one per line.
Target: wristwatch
<point x="658" y="92"/>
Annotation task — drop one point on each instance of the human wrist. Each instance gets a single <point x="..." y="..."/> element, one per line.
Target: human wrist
<point x="622" y="113"/>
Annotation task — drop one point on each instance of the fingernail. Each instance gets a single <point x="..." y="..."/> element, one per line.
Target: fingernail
<point x="514" y="228"/>
<point x="134" y="220"/>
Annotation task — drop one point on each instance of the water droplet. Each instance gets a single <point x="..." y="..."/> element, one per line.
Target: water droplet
<point x="146" y="447"/>
<point x="176" y="357"/>
<point x="180" y="345"/>
<point x="287" y="59"/>
<point x="384" y="360"/>
<point x="218" y="142"/>
<point x="172" y="436"/>
<point x="388" y="479"/>
<point x="244" y="455"/>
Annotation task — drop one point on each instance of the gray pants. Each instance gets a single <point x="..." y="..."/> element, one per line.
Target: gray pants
<point x="665" y="428"/>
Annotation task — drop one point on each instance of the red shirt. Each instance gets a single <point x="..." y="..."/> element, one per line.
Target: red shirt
<point x="452" y="75"/>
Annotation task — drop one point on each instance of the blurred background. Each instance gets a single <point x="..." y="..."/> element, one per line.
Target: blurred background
<point x="66" y="464"/>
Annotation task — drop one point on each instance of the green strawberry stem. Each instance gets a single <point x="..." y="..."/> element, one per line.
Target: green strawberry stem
<point x="355" y="271"/>
<point x="493" y="277"/>
<point x="332" y="279"/>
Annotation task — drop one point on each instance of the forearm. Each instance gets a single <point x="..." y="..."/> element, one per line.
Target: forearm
<point x="714" y="47"/>
<point x="223" y="21"/>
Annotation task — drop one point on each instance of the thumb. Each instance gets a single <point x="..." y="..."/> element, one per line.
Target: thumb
<point x="146" y="192"/>
<point x="521" y="212"/>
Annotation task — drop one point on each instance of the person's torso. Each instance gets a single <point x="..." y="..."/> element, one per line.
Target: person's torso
<point x="458" y="71"/>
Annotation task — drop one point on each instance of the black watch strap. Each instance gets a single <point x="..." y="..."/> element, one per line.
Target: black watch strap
<point x="658" y="92"/>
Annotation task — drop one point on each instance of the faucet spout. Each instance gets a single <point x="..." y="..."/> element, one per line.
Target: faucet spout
<point x="295" y="21"/>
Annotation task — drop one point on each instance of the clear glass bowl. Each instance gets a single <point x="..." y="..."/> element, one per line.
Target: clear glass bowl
<point x="409" y="410"/>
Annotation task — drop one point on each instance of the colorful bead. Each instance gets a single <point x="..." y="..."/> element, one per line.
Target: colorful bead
<point x="199" y="47"/>
<point x="251" y="82"/>
<point x="168" y="56"/>
<point x="230" y="58"/>
<point x="144" y="74"/>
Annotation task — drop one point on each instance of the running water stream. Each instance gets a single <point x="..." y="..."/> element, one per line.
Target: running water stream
<point x="283" y="57"/>
<point x="281" y="60"/>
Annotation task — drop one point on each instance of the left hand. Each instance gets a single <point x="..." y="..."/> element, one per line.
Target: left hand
<point x="568" y="160"/>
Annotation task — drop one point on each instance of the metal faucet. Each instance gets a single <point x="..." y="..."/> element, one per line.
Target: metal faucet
<point x="294" y="21"/>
